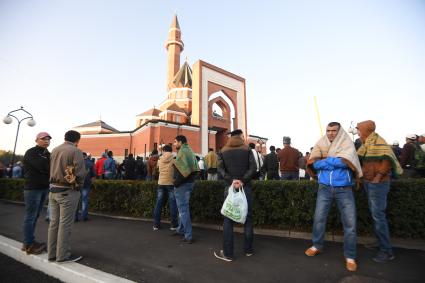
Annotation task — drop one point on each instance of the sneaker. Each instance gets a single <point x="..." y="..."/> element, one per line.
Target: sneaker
<point x="383" y="257"/>
<point x="249" y="254"/>
<point x="35" y="248"/>
<point x="350" y="264"/>
<point x="312" y="251"/>
<point x="220" y="255"/>
<point x="173" y="228"/>
<point x="71" y="258"/>
<point x="155" y="228"/>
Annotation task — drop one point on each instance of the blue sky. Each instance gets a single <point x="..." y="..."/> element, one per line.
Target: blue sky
<point x="71" y="62"/>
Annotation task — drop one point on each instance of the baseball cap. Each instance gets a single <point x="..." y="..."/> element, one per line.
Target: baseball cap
<point x="42" y="135"/>
<point x="411" y="136"/>
<point x="396" y="143"/>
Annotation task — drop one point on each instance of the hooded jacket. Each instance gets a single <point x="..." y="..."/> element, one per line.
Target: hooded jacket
<point x="166" y="170"/>
<point x="236" y="162"/>
<point x="379" y="168"/>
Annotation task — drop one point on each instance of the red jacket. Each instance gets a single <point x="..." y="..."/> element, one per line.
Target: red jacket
<point x="99" y="166"/>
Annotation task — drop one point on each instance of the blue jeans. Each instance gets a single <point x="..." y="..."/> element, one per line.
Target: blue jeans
<point x="347" y="208"/>
<point x="248" y="228"/>
<point x="182" y="194"/>
<point x="34" y="200"/>
<point x="377" y="199"/>
<point x="169" y="190"/>
<point x="290" y="175"/>
<point x="85" y="203"/>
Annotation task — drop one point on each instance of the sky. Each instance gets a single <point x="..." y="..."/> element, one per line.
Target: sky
<point x="72" y="62"/>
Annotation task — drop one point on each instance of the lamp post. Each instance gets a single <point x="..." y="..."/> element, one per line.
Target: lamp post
<point x="8" y="120"/>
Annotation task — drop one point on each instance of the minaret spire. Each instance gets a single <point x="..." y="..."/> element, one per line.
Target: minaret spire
<point x="174" y="46"/>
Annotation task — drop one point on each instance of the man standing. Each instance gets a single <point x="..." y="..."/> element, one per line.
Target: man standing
<point x="378" y="165"/>
<point x="99" y="166"/>
<point x="186" y="170"/>
<point x="110" y="167"/>
<point x="258" y="161"/>
<point x="334" y="160"/>
<point x="236" y="164"/>
<point x="271" y="165"/>
<point x="396" y="149"/>
<point x="407" y="158"/>
<point x="288" y="158"/>
<point x="211" y="160"/>
<point x="130" y="167"/>
<point x="165" y="187"/>
<point x="67" y="174"/>
<point x="85" y="190"/>
<point x="36" y="163"/>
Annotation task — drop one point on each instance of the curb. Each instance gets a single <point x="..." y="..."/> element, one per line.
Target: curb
<point x="66" y="272"/>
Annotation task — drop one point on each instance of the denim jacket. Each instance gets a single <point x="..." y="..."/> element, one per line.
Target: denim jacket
<point x="332" y="171"/>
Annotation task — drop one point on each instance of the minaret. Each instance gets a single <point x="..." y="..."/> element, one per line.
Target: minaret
<point x="174" y="46"/>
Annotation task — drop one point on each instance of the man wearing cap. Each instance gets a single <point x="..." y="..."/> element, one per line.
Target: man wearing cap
<point x="378" y="165"/>
<point x="288" y="158"/>
<point x="396" y="149"/>
<point x="407" y="158"/>
<point x="36" y="174"/>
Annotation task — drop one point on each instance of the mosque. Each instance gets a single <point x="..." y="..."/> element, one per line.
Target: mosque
<point x="203" y="103"/>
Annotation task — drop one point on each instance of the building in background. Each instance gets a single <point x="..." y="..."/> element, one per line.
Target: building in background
<point x="204" y="103"/>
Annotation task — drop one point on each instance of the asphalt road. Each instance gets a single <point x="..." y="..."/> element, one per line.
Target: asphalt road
<point x="131" y="249"/>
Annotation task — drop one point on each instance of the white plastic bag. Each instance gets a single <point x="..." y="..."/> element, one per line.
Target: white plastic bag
<point x="235" y="206"/>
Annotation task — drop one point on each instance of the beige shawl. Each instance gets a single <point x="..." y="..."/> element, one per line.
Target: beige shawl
<point x="342" y="147"/>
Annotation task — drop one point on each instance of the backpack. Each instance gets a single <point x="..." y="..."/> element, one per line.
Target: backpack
<point x="419" y="158"/>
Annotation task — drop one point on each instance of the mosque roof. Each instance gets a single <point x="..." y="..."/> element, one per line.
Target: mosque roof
<point x="151" y="112"/>
<point x="183" y="78"/>
<point x="99" y="124"/>
<point x="175" y="107"/>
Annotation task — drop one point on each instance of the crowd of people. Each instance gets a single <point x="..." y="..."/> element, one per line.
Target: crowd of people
<point x="65" y="177"/>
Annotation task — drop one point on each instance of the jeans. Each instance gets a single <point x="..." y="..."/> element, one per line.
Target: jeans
<point x="63" y="206"/>
<point x="169" y="190"/>
<point x="182" y="194"/>
<point x="85" y="203"/>
<point x="34" y="200"/>
<point x="347" y="208"/>
<point x="288" y="175"/>
<point x="248" y="228"/>
<point x="377" y="200"/>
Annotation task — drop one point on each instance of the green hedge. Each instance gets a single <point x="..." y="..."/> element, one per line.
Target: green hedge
<point x="277" y="204"/>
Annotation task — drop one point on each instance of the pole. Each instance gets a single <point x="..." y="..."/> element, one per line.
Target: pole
<point x="14" y="151"/>
<point x="318" y="116"/>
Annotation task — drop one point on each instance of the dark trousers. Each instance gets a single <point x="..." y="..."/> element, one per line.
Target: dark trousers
<point x="248" y="228"/>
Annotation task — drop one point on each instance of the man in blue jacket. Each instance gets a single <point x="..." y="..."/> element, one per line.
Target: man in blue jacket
<point x="335" y="163"/>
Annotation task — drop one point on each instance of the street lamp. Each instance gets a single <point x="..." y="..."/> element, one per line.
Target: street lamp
<point x="8" y="120"/>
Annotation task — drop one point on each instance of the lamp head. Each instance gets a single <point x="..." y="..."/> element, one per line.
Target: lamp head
<point x="31" y="122"/>
<point x="7" y="119"/>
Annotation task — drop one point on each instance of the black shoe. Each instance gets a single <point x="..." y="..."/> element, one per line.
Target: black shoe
<point x="71" y="258"/>
<point x="186" y="241"/>
<point x="383" y="257"/>
<point x="52" y="259"/>
<point x="220" y="255"/>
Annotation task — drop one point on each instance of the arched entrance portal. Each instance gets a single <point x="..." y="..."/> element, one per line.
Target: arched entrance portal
<point x="221" y="112"/>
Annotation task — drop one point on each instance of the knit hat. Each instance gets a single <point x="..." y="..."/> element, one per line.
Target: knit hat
<point x="286" y="140"/>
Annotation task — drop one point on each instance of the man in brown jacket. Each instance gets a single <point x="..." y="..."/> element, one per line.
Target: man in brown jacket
<point x="67" y="174"/>
<point x="288" y="159"/>
<point x="378" y="165"/>
<point x="166" y="187"/>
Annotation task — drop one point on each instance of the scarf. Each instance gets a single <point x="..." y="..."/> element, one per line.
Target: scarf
<point x="376" y="148"/>
<point x="186" y="161"/>
<point x="342" y="146"/>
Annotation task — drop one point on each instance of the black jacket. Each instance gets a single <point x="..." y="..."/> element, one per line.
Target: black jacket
<point x="37" y="168"/>
<point x="236" y="161"/>
<point x="271" y="163"/>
